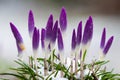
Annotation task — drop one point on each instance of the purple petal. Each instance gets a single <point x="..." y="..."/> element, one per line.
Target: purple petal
<point x="88" y="31"/>
<point x="54" y="32"/>
<point x="63" y="20"/>
<point x="103" y="39"/>
<point x="108" y="45"/>
<point x="79" y="33"/>
<point x="31" y="23"/>
<point x="43" y="33"/>
<point x="60" y="41"/>
<point x="16" y="34"/>
<point x="49" y="27"/>
<point x="35" y="39"/>
<point x="73" y="45"/>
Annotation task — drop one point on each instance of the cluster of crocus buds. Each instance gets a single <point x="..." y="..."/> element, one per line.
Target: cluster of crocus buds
<point x="105" y="46"/>
<point x="54" y="32"/>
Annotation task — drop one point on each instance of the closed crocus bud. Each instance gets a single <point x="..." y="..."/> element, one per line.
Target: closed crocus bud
<point x="18" y="38"/>
<point x="31" y="23"/>
<point x="79" y="33"/>
<point x="88" y="31"/>
<point x="73" y="45"/>
<point x="35" y="39"/>
<point x="103" y="38"/>
<point x="60" y="41"/>
<point x="63" y="20"/>
<point x="43" y="33"/>
<point x="49" y="28"/>
<point x="108" y="45"/>
<point x="54" y="32"/>
<point x="16" y="33"/>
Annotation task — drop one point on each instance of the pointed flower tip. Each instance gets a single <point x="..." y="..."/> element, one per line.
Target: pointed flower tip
<point x="108" y="45"/>
<point x="16" y="33"/>
<point x="49" y="27"/>
<point x="43" y="33"/>
<point x="79" y="33"/>
<point x="35" y="39"/>
<point x="90" y="19"/>
<point x="73" y="45"/>
<point x="54" y="32"/>
<point x="103" y="38"/>
<point x="31" y="23"/>
<point x="63" y="19"/>
<point x="60" y="41"/>
<point x="88" y="31"/>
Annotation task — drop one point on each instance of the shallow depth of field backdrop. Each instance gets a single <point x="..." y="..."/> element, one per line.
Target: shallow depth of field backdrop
<point x="105" y="13"/>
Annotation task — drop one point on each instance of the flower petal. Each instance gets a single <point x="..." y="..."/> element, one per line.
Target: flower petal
<point x="88" y="31"/>
<point x="108" y="45"/>
<point x="63" y="20"/>
<point x="60" y="41"/>
<point x="35" y="39"/>
<point x="73" y="45"/>
<point x="103" y="39"/>
<point x="54" y="32"/>
<point x="49" y="27"/>
<point x="43" y="33"/>
<point x="31" y="23"/>
<point x="79" y="33"/>
<point x="16" y="33"/>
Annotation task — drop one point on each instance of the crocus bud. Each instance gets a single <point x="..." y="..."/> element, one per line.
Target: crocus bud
<point x="18" y="38"/>
<point x="108" y="45"/>
<point x="103" y="38"/>
<point x="54" y="32"/>
<point x="60" y="41"/>
<point x="88" y="31"/>
<point x="31" y="23"/>
<point x="16" y="33"/>
<point x="43" y="33"/>
<point x="63" y="20"/>
<point x="49" y="27"/>
<point x="35" y="39"/>
<point x="79" y="33"/>
<point x="73" y="45"/>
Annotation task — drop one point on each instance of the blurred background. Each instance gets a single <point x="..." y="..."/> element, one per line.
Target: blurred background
<point x="105" y="13"/>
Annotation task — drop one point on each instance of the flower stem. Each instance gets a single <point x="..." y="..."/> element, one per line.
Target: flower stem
<point x="45" y="67"/>
<point x="82" y="70"/>
<point x="76" y="62"/>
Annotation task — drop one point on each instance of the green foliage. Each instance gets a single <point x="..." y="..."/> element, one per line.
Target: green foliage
<point x="26" y="71"/>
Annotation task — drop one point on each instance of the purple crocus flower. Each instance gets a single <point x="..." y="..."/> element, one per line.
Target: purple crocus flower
<point x="16" y="34"/>
<point x="103" y="38"/>
<point x="73" y="45"/>
<point x="49" y="27"/>
<point x="54" y="32"/>
<point x="108" y="45"/>
<point x="60" y="40"/>
<point x="43" y="33"/>
<point x="79" y="33"/>
<point x="88" y="31"/>
<point x="63" y="20"/>
<point x="31" y="23"/>
<point x="18" y="38"/>
<point x="35" y="39"/>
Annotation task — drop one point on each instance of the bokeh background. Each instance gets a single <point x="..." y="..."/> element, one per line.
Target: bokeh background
<point x="105" y="13"/>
